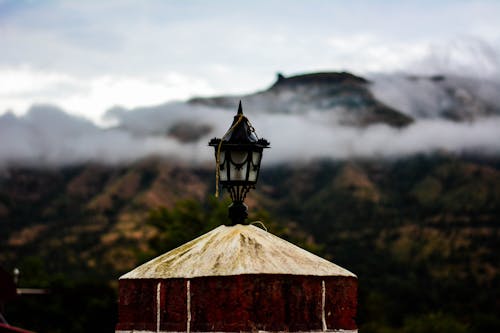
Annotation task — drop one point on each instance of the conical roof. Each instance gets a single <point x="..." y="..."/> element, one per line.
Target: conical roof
<point x="236" y="250"/>
<point x="242" y="132"/>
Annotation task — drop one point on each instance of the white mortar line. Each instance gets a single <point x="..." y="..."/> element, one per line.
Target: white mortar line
<point x="188" y="306"/>
<point x="158" y="304"/>
<point x="323" y="299"/>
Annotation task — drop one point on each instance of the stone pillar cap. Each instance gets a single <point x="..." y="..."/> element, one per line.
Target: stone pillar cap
<point x="236" y="250"/>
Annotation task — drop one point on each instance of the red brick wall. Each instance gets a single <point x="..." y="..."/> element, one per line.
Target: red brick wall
<point x="239" y="303"/>
<point x="137" y="305"/>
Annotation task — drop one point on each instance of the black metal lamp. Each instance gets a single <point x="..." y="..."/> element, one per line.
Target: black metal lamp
<point x="238" y="155"/>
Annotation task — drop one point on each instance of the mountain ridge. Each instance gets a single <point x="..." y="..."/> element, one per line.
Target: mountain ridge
<point x="340" y="93"/>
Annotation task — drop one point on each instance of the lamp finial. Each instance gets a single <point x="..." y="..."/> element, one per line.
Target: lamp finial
<point x="240" y="109"/>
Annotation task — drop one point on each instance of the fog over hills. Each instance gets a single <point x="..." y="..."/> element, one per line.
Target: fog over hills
<point x="335" y="115"/>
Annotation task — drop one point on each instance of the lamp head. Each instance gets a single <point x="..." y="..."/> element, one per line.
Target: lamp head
<point x="238" y="155"/>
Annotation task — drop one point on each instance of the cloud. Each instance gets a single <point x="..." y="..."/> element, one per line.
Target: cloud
<point x="466" y="56"/>
<point x="47" y="136"/>
<point x="305" y="138"/>
<point x="434" y="97"/>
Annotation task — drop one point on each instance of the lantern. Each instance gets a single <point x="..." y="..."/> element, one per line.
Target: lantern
<point x="238" y="155"/>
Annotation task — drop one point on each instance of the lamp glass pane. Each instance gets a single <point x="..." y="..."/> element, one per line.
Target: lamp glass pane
<point x="252" y="175"/>
<point x="239" y="156"/>
<point x="223" y="169"/>
<point x="254" y="166"/>
<point x="222" y="157"/>
<point x="256" y="156"/>
<point x="238" y="173"/>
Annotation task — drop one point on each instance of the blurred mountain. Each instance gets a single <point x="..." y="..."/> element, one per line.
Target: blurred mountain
<point x="349" y="116"/>
<point x="420" y="231"/>
<point x="345" y="95"/>
<point x="395" y="100"/>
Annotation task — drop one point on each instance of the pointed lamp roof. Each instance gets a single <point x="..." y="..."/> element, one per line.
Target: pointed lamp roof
<point x="236" y="250"/>
<point x="243" y="132"/>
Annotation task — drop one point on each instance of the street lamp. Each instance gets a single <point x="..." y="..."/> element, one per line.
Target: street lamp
<point x="238" y="155"/>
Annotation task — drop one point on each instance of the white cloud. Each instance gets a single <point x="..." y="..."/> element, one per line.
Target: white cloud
<point x="46" y="136"/>
<point x="445" y="96"/>
<point x="91" y="97"/>
<point x="296" y="138"/>
<point x="465" y="56"/>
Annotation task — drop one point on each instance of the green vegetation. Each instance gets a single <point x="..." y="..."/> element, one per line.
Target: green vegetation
<point x="187" y="220"/>
<point x="421" y="233"/>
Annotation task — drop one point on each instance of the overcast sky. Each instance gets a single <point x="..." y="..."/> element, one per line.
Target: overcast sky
<point x="87" y="56"/>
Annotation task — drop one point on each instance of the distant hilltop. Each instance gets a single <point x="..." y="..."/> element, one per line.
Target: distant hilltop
<point x="345" y="95"/>
<point x="318" y="78"/>
<point x="396" y="100"/>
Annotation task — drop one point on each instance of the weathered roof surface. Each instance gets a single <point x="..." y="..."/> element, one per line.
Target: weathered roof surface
<point x="235" y="250"/>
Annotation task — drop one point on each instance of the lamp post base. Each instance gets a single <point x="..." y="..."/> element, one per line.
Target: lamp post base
<point x="238" y="212"/>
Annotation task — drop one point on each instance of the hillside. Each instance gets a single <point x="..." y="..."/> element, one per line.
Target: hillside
<point x="422" y="228"/>
<point x="89" y="218"/>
